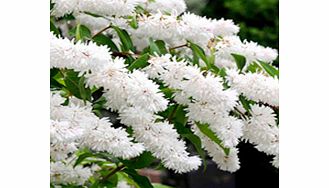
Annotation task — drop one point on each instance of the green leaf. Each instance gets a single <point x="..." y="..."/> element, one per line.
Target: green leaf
<point x="269" y="69"/>
<point x="154" y="49"/>
<point x="53" y="28"/>
<point x="101" y="39"/>
<point x="161" y="46"/>
<point x="199" y="52"/>
<point x="244" y="103"/>
<point x="139" y="162"/>
<point x="85" y="92"/>
<point x="82" y="157"/>
<point x="142" y="181"/>
<point x="239" y="60"/>
<point x="180" y="120"/>
<point x="71" y="80"/>
<point x="141" y="62"/>
<point x="204" y="128"/>
<point x="196" y="141"/>
<point x="80" y="32"/>
<point x="254" y="67"/>
<point x="158" y="185"/>
<point x="126" y="43"/>
<point x="133" y="22"/>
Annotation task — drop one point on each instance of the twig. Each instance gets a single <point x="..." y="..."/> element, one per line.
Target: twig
<point x="101" y="31"/>
<point x="117" y="169"/>
<point x="180" y="46"/>
<point x="172" y="114"/>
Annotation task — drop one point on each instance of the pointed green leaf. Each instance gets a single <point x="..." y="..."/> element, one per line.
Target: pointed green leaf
<point x="101" y="39"/>
<point x="126" y="43"/>
<point x="142" y="181"/>
<point x="141" y="62"/>
<point x="239" y="60"/>
<point x="204" y="128"/>
<point x="199" y="52"/>
<point x="139" y="162"/>
<point x="269" y="69"/>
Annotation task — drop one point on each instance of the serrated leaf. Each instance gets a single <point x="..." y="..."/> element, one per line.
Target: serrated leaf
<point x="204" y="128"/>
<point x="141" y="62"/>
<point x="126" y="43"/>
<point x="101" y="39"/>
<point x="142" y="181"/>
<point x="239" y="60"/>
<point x="269" y="69"/>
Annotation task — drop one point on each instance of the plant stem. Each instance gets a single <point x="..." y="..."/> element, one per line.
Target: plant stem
<point x="242" y="114"/>
<point x="172" y="114"/>
<point x="101" y="31"/>
<point x="180" y="46"/>
<point x="117" y="169"/>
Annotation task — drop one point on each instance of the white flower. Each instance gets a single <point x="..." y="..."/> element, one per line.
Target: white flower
<point x="170" y="6"/>
<point x="275" y="161"/>
<point x="225" y="162"/>
<point x="77" y="125"/>
<point x="123" y="184"/>
<point x="262" y="131"/>
<point x="126" y="92"/>
<point x="63" y="7"/>
<point x="201" y="29"/>
<point x="103" y="137"/>
<point x="255" y="86"/>
<point x="65" y="174"/>
<point x="108" y="7"/>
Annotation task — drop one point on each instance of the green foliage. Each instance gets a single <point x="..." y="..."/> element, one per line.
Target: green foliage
<point x="204" y="128"/>
<point x="126" y="43"/>
<point x="141" y="62"/>
<point x="80" y="32"/>
<point x="101" y="39"/>
<point x="272" y="71"/>
<point x="142" y="161"/>
<point x="141" y="181"/>
<point x="239" y="60"/>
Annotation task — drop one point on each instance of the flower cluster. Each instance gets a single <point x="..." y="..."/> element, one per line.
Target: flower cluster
<point x="147" y="59"/>
<point x="133" y="95"/>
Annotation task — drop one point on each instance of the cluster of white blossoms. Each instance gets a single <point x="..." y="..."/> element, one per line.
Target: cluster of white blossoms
<point x="75" y="126"/>
<point x="210" y="100"/>
<point x="65" y="174"/>
<point x="207" y="102"/>
<point x="133" y="95"/>
<point x="255" y="86"/>
<point x="253" y="52"/>
<point x="261" y="130"/>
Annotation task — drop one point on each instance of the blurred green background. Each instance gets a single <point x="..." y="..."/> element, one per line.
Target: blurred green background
<point x="258" y="19"/>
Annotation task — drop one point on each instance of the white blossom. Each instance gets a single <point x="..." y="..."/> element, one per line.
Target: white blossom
<point x="65" y="174"/>
<point x="224" y="162"/>
<point x="77" y="125"/>
<point x="255" y="86"/>
<point x="131" y="92"/>
<point x="262" y="131"/>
